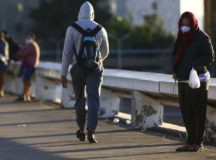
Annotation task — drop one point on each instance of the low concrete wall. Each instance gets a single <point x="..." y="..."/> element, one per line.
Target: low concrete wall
<point x="148" y="92"/>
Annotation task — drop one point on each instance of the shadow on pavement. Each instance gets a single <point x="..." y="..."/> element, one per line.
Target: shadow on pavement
<point x="10" y="150"/>
<point x="117" y="148"/>
<point x="37" y="122"/>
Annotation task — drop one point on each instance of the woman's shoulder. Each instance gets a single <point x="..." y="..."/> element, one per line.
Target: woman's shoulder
<point x="202" y="34"/>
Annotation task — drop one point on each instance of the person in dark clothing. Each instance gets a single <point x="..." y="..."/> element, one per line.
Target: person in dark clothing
<point x="193" y="49"/>
<point x="13" y="46"/>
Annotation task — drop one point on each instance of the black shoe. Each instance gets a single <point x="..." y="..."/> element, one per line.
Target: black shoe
<point x="81" y="135"/>
<point x="20" y="99"/>
<point x="196" y="148"/>
<point x="91" y="137"/>
<point x="184" y="148"/>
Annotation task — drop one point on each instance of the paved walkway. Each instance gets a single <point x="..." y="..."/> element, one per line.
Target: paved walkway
<point x="39" y="131"/>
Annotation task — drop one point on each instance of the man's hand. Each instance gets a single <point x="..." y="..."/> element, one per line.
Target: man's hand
<point x="64" y="81"/>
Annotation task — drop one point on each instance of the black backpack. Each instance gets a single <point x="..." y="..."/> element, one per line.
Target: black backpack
<point x="89" y="54"/>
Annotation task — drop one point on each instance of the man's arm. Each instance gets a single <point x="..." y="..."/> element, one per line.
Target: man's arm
<point x="104" y="45"/>
<point x="67" y="55"/>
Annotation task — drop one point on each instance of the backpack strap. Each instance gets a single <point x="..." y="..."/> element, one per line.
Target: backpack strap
<point x="78" y="28"/>
<point x="84" y="32"/>
<point x="95" y="30"/>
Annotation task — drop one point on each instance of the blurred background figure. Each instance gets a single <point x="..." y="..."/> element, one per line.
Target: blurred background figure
<point x="30" y="57"/>
<point x="4" y="57"/>
<point x="13" y="46"/>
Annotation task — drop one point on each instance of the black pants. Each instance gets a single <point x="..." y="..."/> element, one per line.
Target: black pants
<point x="193" y="104"/>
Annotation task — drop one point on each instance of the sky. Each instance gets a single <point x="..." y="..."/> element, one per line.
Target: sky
<point x="195" y="6"/>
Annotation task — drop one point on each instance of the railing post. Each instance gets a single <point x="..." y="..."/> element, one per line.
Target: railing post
<point x="110" y="103"/>
<point x="10" y="85"/>
<point x="146" y="112"/>
<point x="211" y="124"/>
<point x="45" y="88"/>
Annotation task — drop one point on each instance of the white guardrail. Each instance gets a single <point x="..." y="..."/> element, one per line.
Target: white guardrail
<point x="149" y="92"/>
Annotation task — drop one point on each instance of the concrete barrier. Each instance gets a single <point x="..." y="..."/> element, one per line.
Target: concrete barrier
<point x="148" y="92"/>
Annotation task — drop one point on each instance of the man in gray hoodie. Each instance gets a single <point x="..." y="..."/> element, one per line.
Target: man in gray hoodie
<point x="86" y="84"/>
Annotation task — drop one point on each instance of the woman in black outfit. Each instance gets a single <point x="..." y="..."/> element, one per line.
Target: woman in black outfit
<point x="193" y="49"/>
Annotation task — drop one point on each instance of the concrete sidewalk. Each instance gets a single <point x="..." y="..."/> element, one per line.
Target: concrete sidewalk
<point x="39" y="131"/>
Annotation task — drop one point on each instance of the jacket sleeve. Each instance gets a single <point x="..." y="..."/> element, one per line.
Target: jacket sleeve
<point x="207" y="54"/>
<point x="104" y="49"/>
<point x="67" y="55"/>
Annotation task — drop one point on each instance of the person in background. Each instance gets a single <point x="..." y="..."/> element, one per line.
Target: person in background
<point x="4" y="57"/>
<point x="13" y="46"/>
<point x="87" y="41"/>
<point x="30" y="57"/>
<point x="193" y="49"/>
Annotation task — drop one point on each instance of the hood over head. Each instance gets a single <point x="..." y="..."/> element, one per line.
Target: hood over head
<point x="86" y="11"/>
<point x="193" y="21"/>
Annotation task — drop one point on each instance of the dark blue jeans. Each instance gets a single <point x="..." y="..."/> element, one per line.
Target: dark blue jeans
<point x="87" y="86"/>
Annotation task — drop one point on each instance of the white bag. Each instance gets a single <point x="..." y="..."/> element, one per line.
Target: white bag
<point x="194" y="81"/>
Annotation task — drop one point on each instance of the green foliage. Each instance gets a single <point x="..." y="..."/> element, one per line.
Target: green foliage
<point x="147" y="35"/>
<point x="117" y="27"/>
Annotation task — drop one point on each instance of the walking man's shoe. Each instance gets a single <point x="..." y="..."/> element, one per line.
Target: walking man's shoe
<point x="81" y="135"/>
<point x="91" y="137"/>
